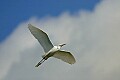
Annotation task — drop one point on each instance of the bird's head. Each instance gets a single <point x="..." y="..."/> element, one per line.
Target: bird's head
<point x="61" y="45"/>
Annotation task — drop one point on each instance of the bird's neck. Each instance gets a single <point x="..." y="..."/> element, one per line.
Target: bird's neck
<point x="57" y="47"/>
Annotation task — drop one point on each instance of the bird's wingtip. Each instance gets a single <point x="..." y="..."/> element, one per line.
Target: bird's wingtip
<point x="72" y="63"/>
<point x="29" y="25"/>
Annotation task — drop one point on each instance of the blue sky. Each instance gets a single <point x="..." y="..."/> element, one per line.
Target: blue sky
<point x="92" y="35"/>
<point x="13" y="12"/>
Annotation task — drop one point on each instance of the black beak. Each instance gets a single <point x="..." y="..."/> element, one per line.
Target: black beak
<point x="62" y="45"/>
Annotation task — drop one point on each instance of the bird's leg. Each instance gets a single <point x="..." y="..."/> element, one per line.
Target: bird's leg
<point x="40" y="62"/>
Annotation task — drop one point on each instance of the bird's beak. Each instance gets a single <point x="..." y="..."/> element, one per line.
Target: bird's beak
<point x="62" y="45"/>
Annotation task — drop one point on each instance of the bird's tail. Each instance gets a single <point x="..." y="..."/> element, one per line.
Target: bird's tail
<point x="40" y="62"/>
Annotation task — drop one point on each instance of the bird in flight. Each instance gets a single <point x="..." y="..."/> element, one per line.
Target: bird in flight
<point x="49" y="49"/>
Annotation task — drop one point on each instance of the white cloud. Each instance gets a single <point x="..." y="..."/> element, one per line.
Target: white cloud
<point x="92" y="37"/>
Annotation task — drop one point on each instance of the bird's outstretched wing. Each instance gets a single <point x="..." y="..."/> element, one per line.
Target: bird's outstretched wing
<point x="65" y="56"/>
<point x="42" y="37"/>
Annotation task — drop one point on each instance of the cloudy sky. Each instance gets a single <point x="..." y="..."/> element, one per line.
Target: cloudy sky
<point x="90" y="28"/>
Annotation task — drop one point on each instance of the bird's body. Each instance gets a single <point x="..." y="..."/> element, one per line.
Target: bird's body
<point x="50" y="50"/>
<point x="54" y="49"/>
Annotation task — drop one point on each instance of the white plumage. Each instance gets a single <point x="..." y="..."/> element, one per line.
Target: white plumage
<point x="50" y="50"/>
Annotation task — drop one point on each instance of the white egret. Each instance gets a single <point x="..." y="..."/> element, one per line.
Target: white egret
<point x="50" y="50"/>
